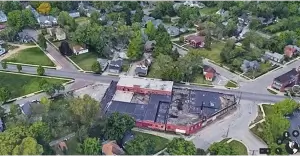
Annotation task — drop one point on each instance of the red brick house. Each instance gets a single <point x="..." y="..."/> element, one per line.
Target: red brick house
<point x="290" y="50"/>
<point x="209" y="73"/>
<point x="285" y="80"/>
<point x="195" y="41"/>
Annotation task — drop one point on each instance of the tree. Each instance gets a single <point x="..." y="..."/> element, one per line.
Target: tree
<point x="175" y="54"/>
<point x="84" y="109"/>
<point x="41" y="132"/>
<point x="28" y="18"/>
<point x="162" y="61"/>
<point x="29" y="146"/>
<point x="64" y="19"/>
<point x="220" y="148"/>
<point x="181" y="39"/>
<point x="200" y="151"/>
<point x="96" y="67"/>
<point x="117" y="124"/>
<point x="4" y="65"/>
<point x="40" y="70"/>
<point x="44" y="8"/>
<point x="135" y="47"/>
<point x="104" y="5"/>
<point x="46" y="102"/>
<point x="90" y="146"/>
<point x="95" y="17"/>
<point x="15" y="110"/>
<point x="163" y="42"/>
<point x="42" y="41"/>
<point x="208" y="40"/>
<point x="140" y="145"/>
<point x="55" y="12"/>
<point x="179" y="146"/>
<point x="19" y="67"/>
<point x="150" y="31"/>
<point x="9" y="6"/>
<point x="4" y="94"/>
<point x="137" y="17"/>
<point x="14" y="19"/>
<point x="52" y="88"/>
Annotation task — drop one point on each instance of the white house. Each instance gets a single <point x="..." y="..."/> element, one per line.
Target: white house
<point x="77" y="50"/>
<point x="3" y="17"/>
<point x="74" y="14"/>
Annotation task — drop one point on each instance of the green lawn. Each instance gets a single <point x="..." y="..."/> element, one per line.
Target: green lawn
<point x="85" y="61"/>
<point x="82" y="20"/>
<point x="231" y="84"/>
<point x="201" y="80"/>
<point x="213" y="54"/>
<point x="239" y="147"/>
<point x="160" y="143"/>
<point x="20" y="85"/>
<point x="264" y="68"/>
<point x="207" y="10"/>
<point x="32" y="55"/>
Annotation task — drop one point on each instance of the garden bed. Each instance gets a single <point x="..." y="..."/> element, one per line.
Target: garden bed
<point x="34" y="56"/>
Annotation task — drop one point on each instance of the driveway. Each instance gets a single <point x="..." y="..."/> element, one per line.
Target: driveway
<point x="58" y="58"/>
<point x="234" y="126"/>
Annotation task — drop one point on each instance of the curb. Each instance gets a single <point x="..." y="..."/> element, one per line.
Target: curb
<point x="234" y="139"/>
<point x="46" y="53"/>
<point x="31" y="65"/>
<point x="77" y="66"/>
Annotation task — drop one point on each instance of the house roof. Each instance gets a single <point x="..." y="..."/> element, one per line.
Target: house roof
<point x="275" y="55"/>
<point x="149" y="44"/>
<point x="2" y="15"/>
<point x="26" y="108"/>
<point x="111" y="148"/>
<point x="196" y="38"/>
<point x="208" y="69"/>
<point x="116" y="63"/>
<point x="286" y="76"/>
<point x="210" y="75"/>
<point x="78" y="48"/>
<point x="141" y="70"/>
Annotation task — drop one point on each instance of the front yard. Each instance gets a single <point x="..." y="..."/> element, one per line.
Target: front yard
<point x="32" y="55"/>
<point x="231" y="84"/>
<point x="264" y="68"/>
<point x="82" y="20"/>
<point x="85" y="61"/>
<point x="159" y="142"/>
<point x="213" y="54"/>
<point x="20" y="85"/>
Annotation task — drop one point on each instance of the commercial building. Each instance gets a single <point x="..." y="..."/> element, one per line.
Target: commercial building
<point x="285" y="80"/>
<point x="155" y="104"/>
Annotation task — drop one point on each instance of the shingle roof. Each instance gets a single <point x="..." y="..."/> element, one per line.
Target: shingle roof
<point x="26" y="108"/>
<point x="287" y="76"/>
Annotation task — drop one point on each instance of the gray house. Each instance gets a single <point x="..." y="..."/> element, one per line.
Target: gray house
<point x="2" y="51"/>
<point x="47" y="21"/>
<point x="26" y="108"/>
<point x="3" y="17"/>
<point x="74" y="14"/>
<point x="173" y="31"/>
<point x="103" y="63"/>
<point x="274" y="56"/>
<point x="115" y="66"/>
<point x="249" y="65"/>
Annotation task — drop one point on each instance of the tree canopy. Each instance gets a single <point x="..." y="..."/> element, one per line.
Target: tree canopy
<point x="90" y="146"/>
<point x="179" y="146"/>
<point x="140" y="145"/>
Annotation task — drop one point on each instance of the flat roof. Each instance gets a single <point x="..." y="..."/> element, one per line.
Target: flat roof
<point x="123" y="96"/>
<point x="96" y="91"/>
<point x="146" y="83"/>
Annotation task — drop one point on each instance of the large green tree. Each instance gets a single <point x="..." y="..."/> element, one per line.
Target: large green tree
<point x="96" y="67"/>
<point x="9" y="6"/>
<point x="84" y="109"/>
<point x="135" y="48"/>
<point x="150" y="31"/>
<point x="179" y="146"/>
<point x="42" y="41"/>
<point x="117" y="124"/>
<point x="140" y="145"/>
<point x="4" y="94"/>
<point x="28" y="146"/>
<point x="163" y="42"/>
<point x="90" y="146"/>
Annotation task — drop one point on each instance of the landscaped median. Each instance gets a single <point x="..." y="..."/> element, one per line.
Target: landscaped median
<point x="20" y="84"/>
<point x="231" y="84"/>
<point x="228" y="147"/>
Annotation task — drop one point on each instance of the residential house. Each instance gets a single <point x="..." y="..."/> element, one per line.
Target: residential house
<point x="77" y="50"/>
<point x="1" y="125"/>
<point x="291" y="50"/>
<point x="46" y="21"/>
<point x="58" y="33"/>
<point x="34" y="12"/>
<point x="142" y="68"/>
<point x="195" y="41"/>
<point x="173" y="31"/>
<point x="3" y="17"/>
<point x="103" y="63"/>
<point x="149" y="46"/>
<point x="286" y="80"/>
<point x="111" y="148"/>
<point x="26" y="108"/>
<point x="267" y="21"/>
<point x="23" y="37"/>
<point x="182" y="30"/>
<point x="176" y="6"/>
<point x="2" y="51"/>
<point x="115" y="66"/>
<point x="209" y="73"/>
<point x="222" y="12"/>
<point x="249" y="65"/>
<point x="74" y="14"/>
<point x="274" y="56"/>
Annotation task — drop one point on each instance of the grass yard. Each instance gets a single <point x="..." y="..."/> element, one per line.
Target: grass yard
<point x="213" y="54"/>
<point x="201" y="80"/>
<point x="20" y="85"/>
<point x="160" y="143"/>
<point x="264" y="68"/>
<point x="231" y="84"/>
<point x="208" y="10"/>
<point x="82" y="20"/>
<point x="239" y="147"/>
<point x="85" y="61"/>
<point x="32" y="55"/>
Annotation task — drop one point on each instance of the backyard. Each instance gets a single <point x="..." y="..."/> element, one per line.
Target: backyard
<point x="33" y="55"/>
<point x="159" y="142"/>
<point x="85" y="61"/>
<point x="213" y="54"/>
<point x="82" y="20"/>
<point x="20" y="85"/>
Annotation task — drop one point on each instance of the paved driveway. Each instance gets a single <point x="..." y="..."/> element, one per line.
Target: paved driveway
<point x="59" y="59"/>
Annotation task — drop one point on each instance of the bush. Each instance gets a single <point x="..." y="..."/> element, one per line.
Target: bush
<point x="166" y="19"/>
<point x="44" y="31"/>
<point x="40" y="70"/>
